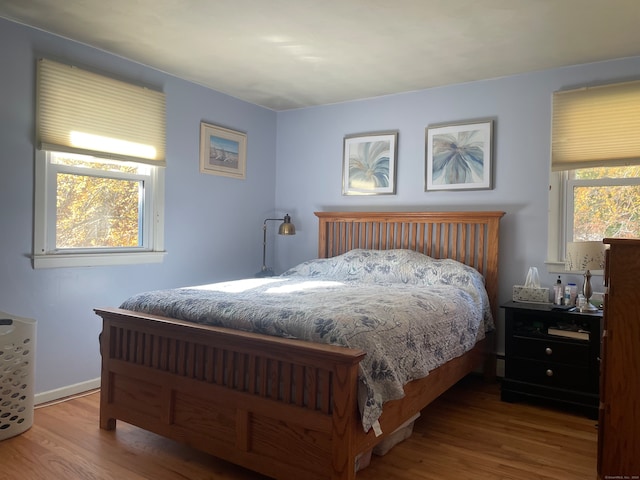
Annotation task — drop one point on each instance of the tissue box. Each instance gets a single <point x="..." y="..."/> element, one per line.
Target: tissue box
<point x="530" y="294"/>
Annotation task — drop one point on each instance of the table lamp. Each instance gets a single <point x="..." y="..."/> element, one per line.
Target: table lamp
<point x="585" y="257"/>
<point x="286" y="228"/>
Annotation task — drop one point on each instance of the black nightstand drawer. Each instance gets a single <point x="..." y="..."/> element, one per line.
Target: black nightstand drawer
<point x="548" y="374"/>
<point x="548" y="350"/>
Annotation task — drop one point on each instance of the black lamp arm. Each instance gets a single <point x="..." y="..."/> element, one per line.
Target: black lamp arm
<point x="264" y="240"/>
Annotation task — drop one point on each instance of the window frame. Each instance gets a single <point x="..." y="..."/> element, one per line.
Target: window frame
<point x="45" y="255"/>
<point x="561" y="210"/>
<point x="556" y="232"/>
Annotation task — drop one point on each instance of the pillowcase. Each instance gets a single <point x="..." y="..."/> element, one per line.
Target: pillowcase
<point x="387" y="266"/>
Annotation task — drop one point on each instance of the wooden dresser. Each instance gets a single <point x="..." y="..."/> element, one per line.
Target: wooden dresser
<point x="619" y="412"/>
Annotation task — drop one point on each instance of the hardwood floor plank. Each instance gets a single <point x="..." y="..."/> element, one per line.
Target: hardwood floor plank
<point x="468" y="433"/>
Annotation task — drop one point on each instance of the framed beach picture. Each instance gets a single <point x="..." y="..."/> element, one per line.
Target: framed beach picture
<point x="222" y="151"/>
<point x="459" y="156"/>
<point x="369" y="163"/>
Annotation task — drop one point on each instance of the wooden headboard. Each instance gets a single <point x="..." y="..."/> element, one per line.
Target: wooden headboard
<point x="468" y="237"/>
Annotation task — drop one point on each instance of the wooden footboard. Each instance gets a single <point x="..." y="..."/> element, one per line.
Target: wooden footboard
<point x="284" y="408"/>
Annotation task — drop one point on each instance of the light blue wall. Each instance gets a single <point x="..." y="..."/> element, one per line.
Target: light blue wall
<point x="309" y="162"/>
<point x="213" y="224"/>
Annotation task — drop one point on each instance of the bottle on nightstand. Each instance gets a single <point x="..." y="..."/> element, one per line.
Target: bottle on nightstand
<point x="570" y="293"/>
<point x="558" y="292"/>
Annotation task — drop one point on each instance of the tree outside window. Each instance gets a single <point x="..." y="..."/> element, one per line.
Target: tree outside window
<point x="604" y="202"/>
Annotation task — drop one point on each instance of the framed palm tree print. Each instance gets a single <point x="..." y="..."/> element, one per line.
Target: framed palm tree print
<point x="369" y="163"/>
<point x="459" y="156"/>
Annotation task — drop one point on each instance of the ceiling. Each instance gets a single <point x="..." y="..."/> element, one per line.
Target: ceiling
<point x="285" y="54"/>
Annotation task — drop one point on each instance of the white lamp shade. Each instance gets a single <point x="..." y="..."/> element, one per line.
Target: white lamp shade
<point x="583" y="256"/>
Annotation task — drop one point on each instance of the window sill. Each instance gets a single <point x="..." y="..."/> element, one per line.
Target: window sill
<point x="555" y="267"/>
<point x="61" y="260"/>
<point x="559" y="267"/>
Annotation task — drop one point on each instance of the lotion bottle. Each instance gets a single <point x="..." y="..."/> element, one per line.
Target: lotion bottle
<point x="558" y="292"/>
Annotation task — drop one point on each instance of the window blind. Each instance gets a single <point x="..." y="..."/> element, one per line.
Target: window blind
<point x="596" y="126"/>
<point x="82" y="112"/>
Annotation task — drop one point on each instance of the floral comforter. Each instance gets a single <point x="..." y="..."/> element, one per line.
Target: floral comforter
<point x="409" y="312"/>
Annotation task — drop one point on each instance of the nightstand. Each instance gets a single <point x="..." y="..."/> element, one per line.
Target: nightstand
<point x="561" y="367"/>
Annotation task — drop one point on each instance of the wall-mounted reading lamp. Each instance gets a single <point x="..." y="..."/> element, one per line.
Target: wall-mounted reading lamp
<point x="286" y="228"/>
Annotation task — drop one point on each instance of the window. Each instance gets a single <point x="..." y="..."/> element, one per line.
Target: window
<point x="99" y="170"/>
<point x="603" y="202"/>
<point x="93" y="211"/>
<point x="595" y="179"/>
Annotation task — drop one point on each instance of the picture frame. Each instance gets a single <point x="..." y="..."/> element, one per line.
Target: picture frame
<point x="459" y="156"/>
<point x="369" y="163"/>
<point x="222" y="151"/>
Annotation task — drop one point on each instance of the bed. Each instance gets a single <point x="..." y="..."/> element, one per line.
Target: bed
<point x="286" y="408"/>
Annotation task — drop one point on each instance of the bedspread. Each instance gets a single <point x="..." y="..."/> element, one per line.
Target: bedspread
<point x="410" y="313"/>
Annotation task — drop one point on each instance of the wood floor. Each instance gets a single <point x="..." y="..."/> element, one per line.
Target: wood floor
<point x="468" y="433"/>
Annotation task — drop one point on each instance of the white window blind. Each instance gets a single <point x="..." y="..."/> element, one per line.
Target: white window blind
<point x="596" y="126"/>
<point x="83" y="112"/>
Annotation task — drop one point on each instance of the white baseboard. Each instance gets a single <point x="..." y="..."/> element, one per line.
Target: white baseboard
<point x="67" y="391"/>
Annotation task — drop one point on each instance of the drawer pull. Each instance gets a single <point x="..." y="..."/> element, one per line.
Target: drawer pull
<point x="548" y="351"/>
<point x="549" y="373"/>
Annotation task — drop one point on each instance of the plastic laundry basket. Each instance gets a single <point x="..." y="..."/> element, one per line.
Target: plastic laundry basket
<point x="17" y="367"/>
